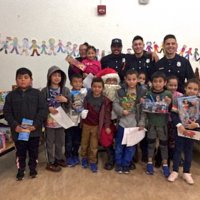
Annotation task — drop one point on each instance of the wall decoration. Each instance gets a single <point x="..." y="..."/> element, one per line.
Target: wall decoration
<point x="53" y="47"/>
<point x="35" y="48"/>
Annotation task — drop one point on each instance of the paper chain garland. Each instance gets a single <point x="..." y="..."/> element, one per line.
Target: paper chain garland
<point x="10" y="45"/>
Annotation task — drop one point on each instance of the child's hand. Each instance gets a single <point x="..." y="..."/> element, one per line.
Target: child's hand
<point x="52" y="110"/>
<point x="19" y="129"/>
<point x="125" y="112"/>
<point x="141" y="128"/>
<point x="167" y="100"/>
<point x="193" y="125"/>
<point x="31" y="128"/>
<point x="61" y="99"/>
<point x="182" y="130"/>
<point x="108" y="131"/>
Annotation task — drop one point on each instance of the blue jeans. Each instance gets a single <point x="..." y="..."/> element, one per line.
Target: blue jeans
<point x="123" y="154"/>
<point x="184" y="145"/>
<point x="72" y="141"/>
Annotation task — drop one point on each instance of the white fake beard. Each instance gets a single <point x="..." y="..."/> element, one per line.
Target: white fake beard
<point x="110" y="91"/>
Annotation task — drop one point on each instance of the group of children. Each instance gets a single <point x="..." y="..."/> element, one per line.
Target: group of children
<point x="100" y="114"/>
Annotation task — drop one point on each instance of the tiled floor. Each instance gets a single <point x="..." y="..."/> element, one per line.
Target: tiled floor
<point x="77" y="183"/>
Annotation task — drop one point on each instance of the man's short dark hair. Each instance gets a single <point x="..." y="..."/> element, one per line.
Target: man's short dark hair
<point x="130" y="72"/>
<point x="158" y="75"/>
<point x="22" y="71"/>
<point x="169" y="36"/>
<point x="76" y="76"/>
<point x="137" y="37"/>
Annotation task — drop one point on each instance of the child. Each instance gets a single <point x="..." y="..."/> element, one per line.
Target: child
<point x="183" y="144"/>
<point x="111" y="85"/>
<point x="56" y="94"/>
<point x="142" y="78"/>
<point x="126" y="107"/>
<point x="93" y="66"/>
<point x="25" y="102"/>
<point x="157" y="123"/>
<point x="172" y="86"/>
<point x="99" y="115"/>
<point x="73" y="134"/>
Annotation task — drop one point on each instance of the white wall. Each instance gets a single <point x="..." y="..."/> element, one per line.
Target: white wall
<point x="77" y="21"/>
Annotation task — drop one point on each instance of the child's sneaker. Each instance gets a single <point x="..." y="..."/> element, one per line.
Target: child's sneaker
<point x="76" y="160"/>
<point x="33" y="173"/>
<point x="126" y="170"/>
<point x="188" y="178"/>
<point x="119" y="169"/>
<point x="70" y="162"/>
<point x="150" y="170"/>
<point x="84" y="163"/>
<point x="173" y="176"/>
<point x="166" y="171"/>
<point x="93" y="167"/>
<point x="20" y="175"/>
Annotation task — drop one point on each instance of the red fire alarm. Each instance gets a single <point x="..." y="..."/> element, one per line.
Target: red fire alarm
<point x="101" y="9"/>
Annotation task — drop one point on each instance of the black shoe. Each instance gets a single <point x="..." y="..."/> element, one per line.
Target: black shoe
<point x="132" y="166"/>
<point x="33" y="173"/>
<point x="109" y="166"/>
<point x="126" y="170"/>
<point x="20" y="175"/>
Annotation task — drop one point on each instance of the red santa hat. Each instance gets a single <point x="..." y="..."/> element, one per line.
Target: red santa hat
<point x="108" y="73"/>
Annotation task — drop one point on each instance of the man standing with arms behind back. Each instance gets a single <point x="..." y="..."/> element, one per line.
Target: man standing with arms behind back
<point x="174" y="64"/>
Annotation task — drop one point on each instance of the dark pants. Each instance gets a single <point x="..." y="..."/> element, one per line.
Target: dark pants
<point x="22" y="147"/>
<point x="123" y="154"/>
<point x="72" y="141"/>
<point x="184" y="145"/>
<point x="144" y="147"/>
<point x="110" y="154"/>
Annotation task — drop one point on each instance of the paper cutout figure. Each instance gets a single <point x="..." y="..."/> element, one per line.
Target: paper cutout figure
<point x="60" y="47"/>
<point x="15" y="46"/>
<point x="196" y="55"/>
<point x="5" y="45"/>
<point x="43" y="48"/>
<point x="149" y="46"/>
<point x="35" y="48"/>
<point x="75" y="51"/>
<point x="129" y="50"/>
<point x="188" y="53"/>
<point x="155" y="47"/>
<point x="68" y="48"/>
<point x="25" y="47"/>
<point x="52" y="47"/>
<point x="183" y="50"/>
